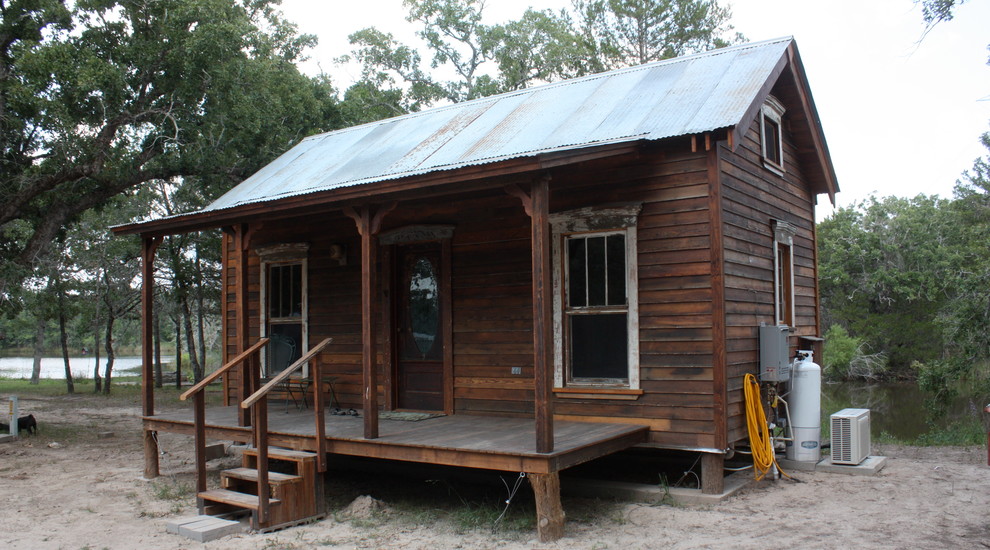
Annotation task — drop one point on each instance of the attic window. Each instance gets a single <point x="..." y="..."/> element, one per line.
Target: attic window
<point x="771" y="136"/>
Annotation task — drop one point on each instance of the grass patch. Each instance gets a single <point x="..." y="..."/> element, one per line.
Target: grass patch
<point x="172" y="490"/>
<point x="124" y="391"/>
<point x="965" y="432"/>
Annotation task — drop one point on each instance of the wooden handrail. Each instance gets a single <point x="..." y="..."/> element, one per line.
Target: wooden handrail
<point x="199" y="412"/>
<point x="222" y="370"/>
<point x="258" y="403"/>
<point x="256" y="396"/>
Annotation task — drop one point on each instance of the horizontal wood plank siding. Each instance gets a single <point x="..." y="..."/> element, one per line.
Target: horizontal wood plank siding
<point x="753" y="196"/>
<point x="491" y="286"/>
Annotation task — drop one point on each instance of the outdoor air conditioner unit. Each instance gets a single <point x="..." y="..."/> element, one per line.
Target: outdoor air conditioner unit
<point x="850" y="436"/>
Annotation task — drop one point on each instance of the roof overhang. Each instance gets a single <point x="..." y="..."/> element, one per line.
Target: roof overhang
<point x="812" y="148"/>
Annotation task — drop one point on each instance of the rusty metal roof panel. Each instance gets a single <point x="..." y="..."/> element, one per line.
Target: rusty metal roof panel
<point x="681" y="96"/>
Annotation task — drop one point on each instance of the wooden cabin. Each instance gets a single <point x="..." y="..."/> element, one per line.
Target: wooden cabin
<point x="544" y="277"/>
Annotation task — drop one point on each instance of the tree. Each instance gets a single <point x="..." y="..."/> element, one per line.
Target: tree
<point x="936" y="11"/>
<point x="110" y="94"/>
<point x="540" y="46"/>
<point x="620" y="33"/>
<point x="886" y="269"/>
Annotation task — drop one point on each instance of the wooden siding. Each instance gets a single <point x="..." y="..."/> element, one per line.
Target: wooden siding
<point x="683" y="398"/>
<point x="752" y="197"/>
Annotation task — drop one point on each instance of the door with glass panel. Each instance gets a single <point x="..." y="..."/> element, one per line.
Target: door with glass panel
<point x="419" y="357"/>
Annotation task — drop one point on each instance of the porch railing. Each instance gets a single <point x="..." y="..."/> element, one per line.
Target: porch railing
<point x="258" y="403"/>
<point x="199" y="406"/>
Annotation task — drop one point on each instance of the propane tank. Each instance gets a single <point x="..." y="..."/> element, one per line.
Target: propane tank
<point x="806" y="404"/>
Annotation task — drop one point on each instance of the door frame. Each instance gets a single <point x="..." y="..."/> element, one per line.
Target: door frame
<point x="389" y="241"/>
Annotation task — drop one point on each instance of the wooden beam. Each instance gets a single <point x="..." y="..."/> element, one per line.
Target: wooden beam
<point x="549" y="511"/>
<point x="242" y="238"/>
<point x="542" y="314"/>
<point x="368" y="226"/>
<point x="712" y="480"/>
<point x="719" y="353"/>
<point x="149" y="246"/>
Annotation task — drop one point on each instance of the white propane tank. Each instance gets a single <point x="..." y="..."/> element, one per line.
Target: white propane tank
<point x="806" y="405"/>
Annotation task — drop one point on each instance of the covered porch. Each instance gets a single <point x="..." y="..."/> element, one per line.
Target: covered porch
<point x="486" y="442"/>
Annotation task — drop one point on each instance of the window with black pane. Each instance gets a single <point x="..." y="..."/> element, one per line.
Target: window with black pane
<point x="596" y="307"/>
<point x="284" y="304"/>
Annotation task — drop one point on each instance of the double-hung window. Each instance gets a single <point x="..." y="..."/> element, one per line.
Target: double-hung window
<point x="771" y="137"/>
<point x="783" y="272"/>
<point x="284" y="307"/>
<point x="596" y="340"/>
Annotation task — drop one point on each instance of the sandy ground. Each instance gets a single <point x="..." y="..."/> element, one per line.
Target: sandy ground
<point x="68" y="488"/>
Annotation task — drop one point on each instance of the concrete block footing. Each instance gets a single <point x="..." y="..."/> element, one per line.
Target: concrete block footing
<point x="203" y="528"/>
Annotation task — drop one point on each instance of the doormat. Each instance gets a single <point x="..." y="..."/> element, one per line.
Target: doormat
<point x="407" y="416"/>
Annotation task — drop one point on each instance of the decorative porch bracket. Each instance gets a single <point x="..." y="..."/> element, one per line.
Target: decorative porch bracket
<point x="369" y="223"/>
<point x="537" y="204"/>
<point x="149" y="246"/>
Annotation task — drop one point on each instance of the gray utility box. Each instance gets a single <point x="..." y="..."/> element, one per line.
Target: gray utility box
<point x="775" y="353"/>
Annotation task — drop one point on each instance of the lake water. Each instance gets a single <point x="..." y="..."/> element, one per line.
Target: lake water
<point x="897" y="408"/>
<point x="54" y="367"/>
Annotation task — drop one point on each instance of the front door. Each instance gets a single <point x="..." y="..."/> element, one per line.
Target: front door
<point x="419" y="334"/>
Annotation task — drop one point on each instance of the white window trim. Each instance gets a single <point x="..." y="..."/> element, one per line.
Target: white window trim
<point x="783" y="234"/>
<point x="774" y="110"/>
<point x="285" y="254"/>
<point x="615" y="219"/>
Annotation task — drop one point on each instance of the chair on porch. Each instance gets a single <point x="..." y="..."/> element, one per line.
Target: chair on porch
<point x="282" y="352"/>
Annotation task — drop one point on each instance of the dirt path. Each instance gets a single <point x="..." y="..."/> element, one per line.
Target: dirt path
<point x="68" y="488"/>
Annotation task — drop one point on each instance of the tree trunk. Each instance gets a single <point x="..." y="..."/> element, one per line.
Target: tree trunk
<point x="190" y="339"/>
<point x="199" y="313"/>
<point x="178" y="354"/>
<point x="69" y="385"/>
<point x="108" y="342"/>
<point x="97" y="381"/>
<point x="39" y="349"/>
<point x="156" y="327"/>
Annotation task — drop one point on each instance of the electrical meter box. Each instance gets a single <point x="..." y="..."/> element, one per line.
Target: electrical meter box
<point x="775" y="357"/>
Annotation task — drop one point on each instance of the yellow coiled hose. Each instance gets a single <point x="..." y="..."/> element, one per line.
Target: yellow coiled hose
<point x="759" y="433"/>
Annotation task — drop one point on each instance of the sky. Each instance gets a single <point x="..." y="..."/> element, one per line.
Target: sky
<point x="902" y="110"/>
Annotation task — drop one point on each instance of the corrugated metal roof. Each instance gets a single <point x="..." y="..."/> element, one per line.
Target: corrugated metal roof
<point x="682" y="96"/>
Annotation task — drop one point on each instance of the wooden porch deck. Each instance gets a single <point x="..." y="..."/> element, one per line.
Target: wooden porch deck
<point x="495" y="443"/>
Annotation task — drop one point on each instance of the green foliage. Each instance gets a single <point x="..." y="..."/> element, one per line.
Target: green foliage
<point x="838" y="353"/>
<point x="887" y="268"/>
<point x="107" y="95"/>
<point x="911" y="277"/>
<point x="539" y="47"/>
<point x="631" y="32"/>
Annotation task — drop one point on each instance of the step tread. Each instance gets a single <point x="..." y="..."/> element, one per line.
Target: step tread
<point x="234" y="498"/>
<point x="251" y="474"/>
<point x="279" y="453"/>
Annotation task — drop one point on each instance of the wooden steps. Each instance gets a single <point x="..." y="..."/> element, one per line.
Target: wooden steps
<point x="234" y="498"/>
<point x="295" y="489"/>
<point x="251" y="474"/>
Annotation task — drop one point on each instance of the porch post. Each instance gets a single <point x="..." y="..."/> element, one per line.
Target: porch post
<point x="242" y="309"/>
<point x="368" y="226"/>
<point x="542" y="313"/>
<point x="149" y="246"/>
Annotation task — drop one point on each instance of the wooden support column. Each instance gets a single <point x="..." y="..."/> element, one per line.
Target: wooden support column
<point x="549" y="512"/>
<point x="368" y="225"/>
<point x="542" y="317"/>
<point x="720" y="379"/>
<point x="537" y="204"/>
<point x="149" y="246"/>
<point x="712" y="480"/>
<point x="243" y="324"/>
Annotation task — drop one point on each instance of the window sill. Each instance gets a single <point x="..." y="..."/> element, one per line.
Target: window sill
<point x="577" y="392"/>
<point x="771" y="166"/>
